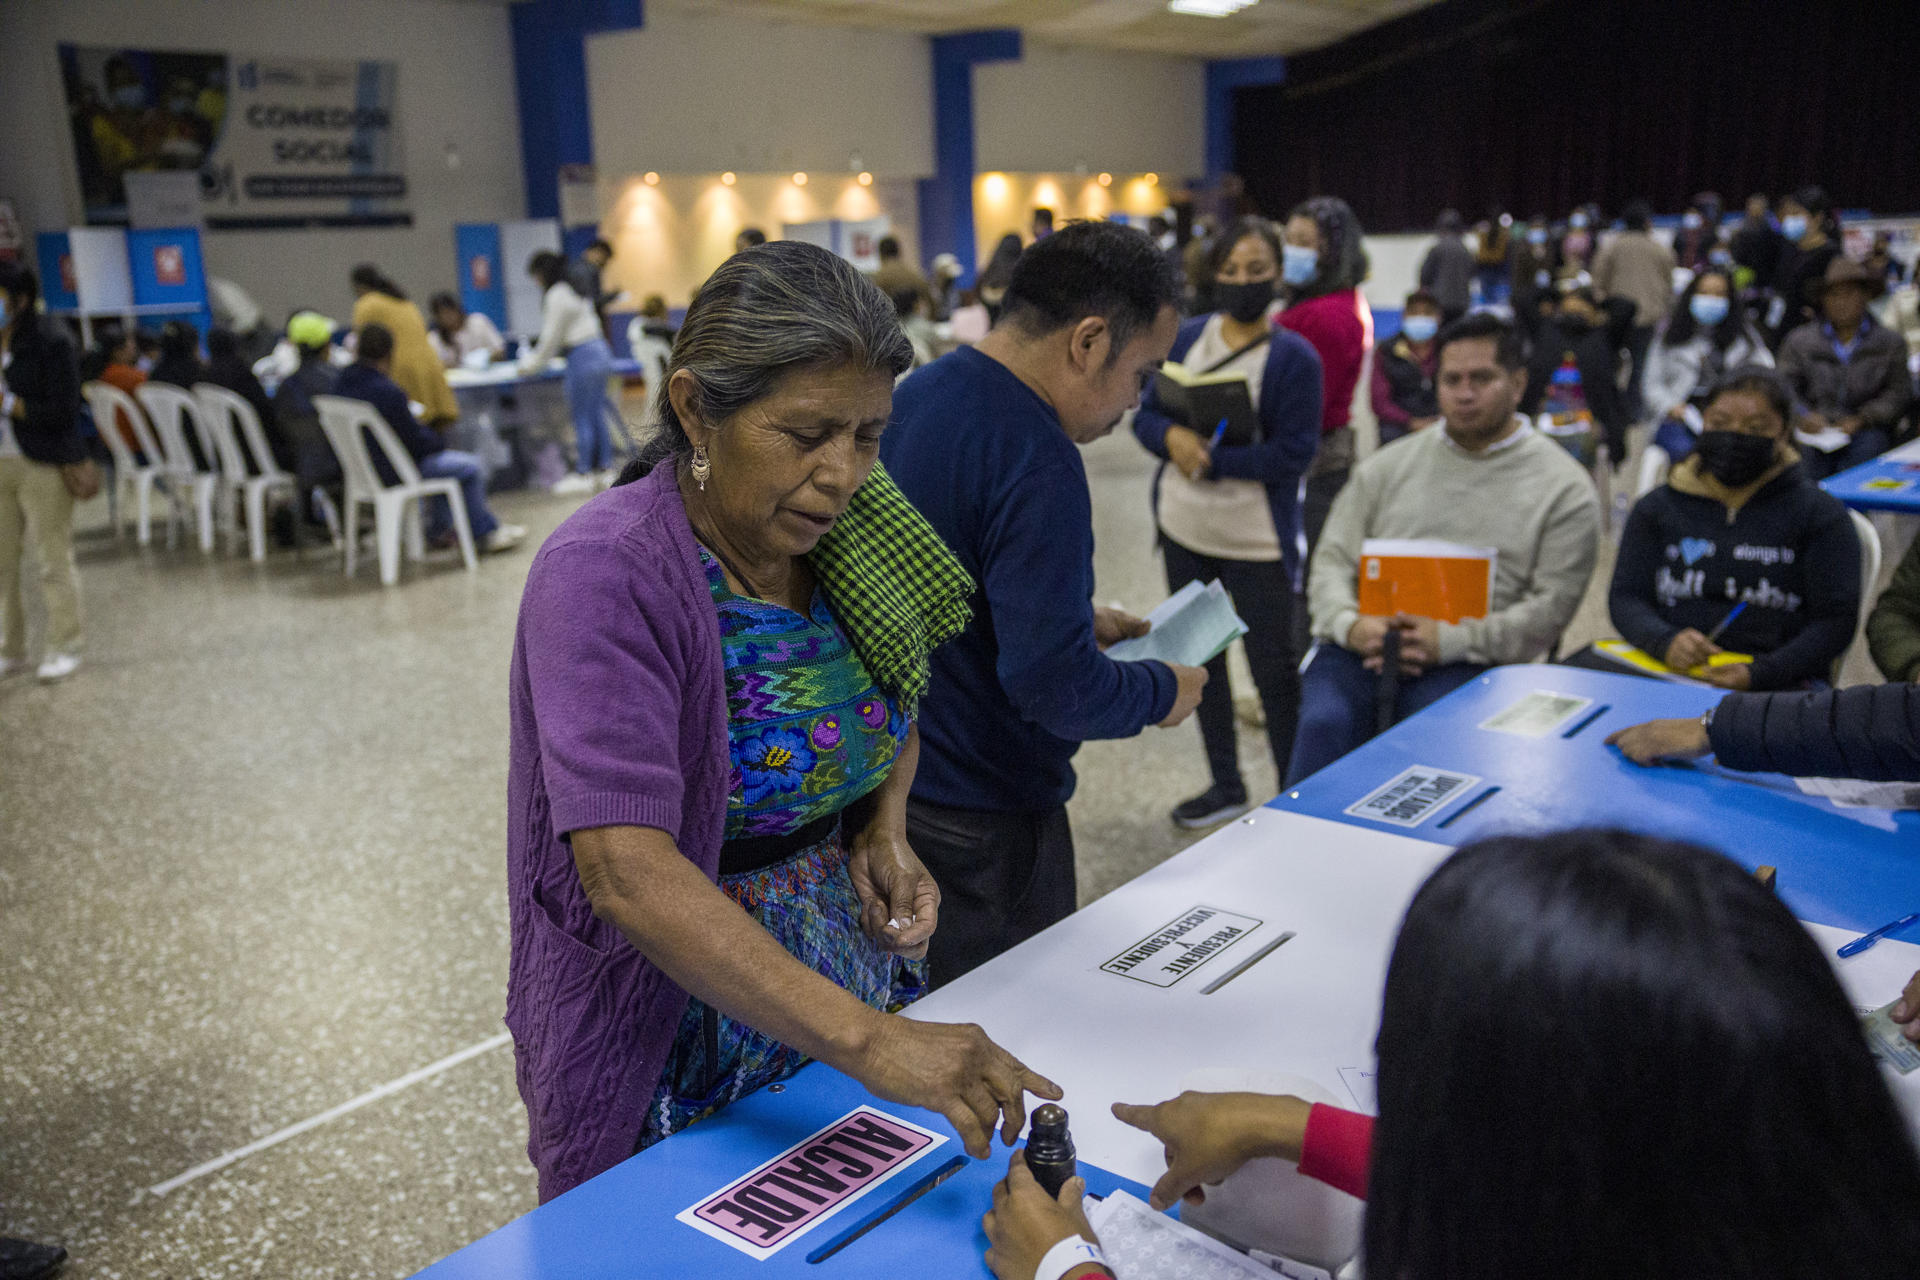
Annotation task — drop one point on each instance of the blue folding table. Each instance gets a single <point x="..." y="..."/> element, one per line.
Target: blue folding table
<point x="1856" y="869"/>
<point x="1891" y="482"/>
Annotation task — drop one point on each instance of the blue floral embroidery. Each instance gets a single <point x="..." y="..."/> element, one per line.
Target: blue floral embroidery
<point x="774" y="762"/>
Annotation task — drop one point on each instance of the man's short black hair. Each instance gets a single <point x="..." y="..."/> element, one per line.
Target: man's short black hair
<point x="602" y="246"/>
<point x="1091" y="269"/>
<point x="752" y="237"/>
<point x="376" y="343"/>
<point x="1508" y="350"/>
<point x="889" y="246"/>
<point x="1042" y="214"/>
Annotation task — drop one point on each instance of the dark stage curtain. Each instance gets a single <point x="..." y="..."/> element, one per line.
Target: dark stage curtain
<point x="1537" y="105"/>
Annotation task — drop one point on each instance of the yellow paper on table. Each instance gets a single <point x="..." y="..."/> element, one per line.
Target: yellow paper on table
<point x="1426" y="578"/>
<point x="1645" y="663"/>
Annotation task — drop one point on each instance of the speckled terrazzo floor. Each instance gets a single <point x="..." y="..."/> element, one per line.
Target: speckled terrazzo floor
<point x="251" y="867"/>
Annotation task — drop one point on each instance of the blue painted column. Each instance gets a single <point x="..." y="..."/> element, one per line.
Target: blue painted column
<point x="946" y="199"/>
<point x="1223" y="77"/>
<point x="550" y="78"/>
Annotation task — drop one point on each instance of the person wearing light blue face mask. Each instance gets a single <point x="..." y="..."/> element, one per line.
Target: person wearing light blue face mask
<point x="1706" y="335"/>
<point x="1326" y="309"/>
<point x="1812" y="243"/>
<point x="1403" y="395"/>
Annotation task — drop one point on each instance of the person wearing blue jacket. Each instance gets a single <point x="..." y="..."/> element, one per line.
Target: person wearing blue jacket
<point x="1232" y="512"/>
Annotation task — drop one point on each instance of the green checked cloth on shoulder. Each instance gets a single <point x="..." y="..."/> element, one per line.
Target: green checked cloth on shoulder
<point x="895" y="587"/>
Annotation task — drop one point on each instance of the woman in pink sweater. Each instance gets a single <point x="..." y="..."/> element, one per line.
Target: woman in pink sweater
<point x="1322" y="271"/>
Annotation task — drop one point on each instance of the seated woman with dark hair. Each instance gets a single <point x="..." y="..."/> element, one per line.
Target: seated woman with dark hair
<point x="1740" y="538"/>
<point x="1600" y="1055"/>
<point x="1707" y="334"/>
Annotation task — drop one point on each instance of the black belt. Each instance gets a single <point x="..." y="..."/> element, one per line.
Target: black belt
<point x="752" y="853"/>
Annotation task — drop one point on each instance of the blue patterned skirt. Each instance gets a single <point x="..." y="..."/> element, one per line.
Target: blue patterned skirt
<point x="808" y="904"/>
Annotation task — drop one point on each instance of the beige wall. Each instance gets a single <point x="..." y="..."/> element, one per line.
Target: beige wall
<point x="1004" y="202"/>
<point x="696" y="94"/>
<point x="1061" y="110"/>
<point x="668" y="238"/>
<point x="455" y="88"/>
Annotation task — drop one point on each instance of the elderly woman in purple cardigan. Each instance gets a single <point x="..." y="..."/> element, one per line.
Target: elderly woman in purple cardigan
<point x="714" y="680"/>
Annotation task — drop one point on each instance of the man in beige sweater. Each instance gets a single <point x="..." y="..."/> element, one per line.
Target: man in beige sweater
<point x="1481" y="478"/>
<point x="1635" y="266"/>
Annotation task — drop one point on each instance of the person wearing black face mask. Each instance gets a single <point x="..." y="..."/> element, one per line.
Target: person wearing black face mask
<point x="1231" y="511"/>
<point x="1739" y="523"/>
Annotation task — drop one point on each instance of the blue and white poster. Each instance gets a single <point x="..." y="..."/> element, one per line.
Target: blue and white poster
<point x="277" y="142"/>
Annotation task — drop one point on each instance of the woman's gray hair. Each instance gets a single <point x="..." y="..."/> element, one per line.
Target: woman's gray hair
<point x="769" y="310"/>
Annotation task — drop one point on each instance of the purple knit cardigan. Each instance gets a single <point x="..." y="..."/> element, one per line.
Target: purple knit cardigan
<point x="619" y="718"/>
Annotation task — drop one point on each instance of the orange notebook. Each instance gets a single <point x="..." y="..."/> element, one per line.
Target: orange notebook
<point x="1425" y="578"/>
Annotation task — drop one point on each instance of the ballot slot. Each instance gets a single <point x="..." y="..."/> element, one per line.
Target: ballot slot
<point x="1248" y="963"/>
<point x="887" y="1209"/>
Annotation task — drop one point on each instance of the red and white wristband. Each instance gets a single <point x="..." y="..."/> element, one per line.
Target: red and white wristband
<point x="1074" y="1251"/>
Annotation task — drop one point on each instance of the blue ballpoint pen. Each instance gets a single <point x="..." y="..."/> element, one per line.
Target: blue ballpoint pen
<point x="1713" y="636"/>
<point x="1219" y="434"/>
<point x="1866" y="940"/>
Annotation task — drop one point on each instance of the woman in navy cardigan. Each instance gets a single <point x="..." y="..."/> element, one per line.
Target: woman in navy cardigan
<point x="1233" y="512"/>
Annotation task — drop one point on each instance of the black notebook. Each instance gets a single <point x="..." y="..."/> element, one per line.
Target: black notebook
<point x="1199" y="401"/>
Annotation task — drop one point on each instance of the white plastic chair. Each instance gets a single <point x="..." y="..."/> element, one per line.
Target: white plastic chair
<point x="1869" y="575"/>
<point x="172" y="410"/>
<point x="396" y="507"/>
<point x="131" y="477"/>
<point x="223" y="408"/>
<point x="1655" y="464"/>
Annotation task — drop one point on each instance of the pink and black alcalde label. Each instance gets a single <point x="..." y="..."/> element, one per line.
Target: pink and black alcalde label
<point x="810" y="1181"/>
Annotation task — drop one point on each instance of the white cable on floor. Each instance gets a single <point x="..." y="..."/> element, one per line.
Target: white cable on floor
<point x="313" y="1122"/>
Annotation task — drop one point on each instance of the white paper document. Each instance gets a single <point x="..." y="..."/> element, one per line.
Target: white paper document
<point x="1851" y="793"/>
<point x="1190" y="627"/>
<point x="1537" y="715"/>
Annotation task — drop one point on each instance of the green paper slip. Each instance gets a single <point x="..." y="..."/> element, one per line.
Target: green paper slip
<point x="1192" y="627"/>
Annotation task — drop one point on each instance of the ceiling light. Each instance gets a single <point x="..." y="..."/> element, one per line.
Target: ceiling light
<point x="652" y="179"/>
<point x="866" y="179"/>
<point x="1208" y="8"/>
<point x="1152" y="179"/>
<point x="1106" y="179"/>
<point x="728" y="178"/>
<point x="799" y="179"/>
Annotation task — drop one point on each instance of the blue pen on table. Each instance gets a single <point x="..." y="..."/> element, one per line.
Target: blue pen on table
<point x="1866" y="940"/>
<point x="1713" y="636"/>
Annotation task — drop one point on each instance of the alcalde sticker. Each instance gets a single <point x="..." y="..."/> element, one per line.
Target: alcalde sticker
<point x="1181" y="945"/>
<point x="1414" y="796"/>
<point x="777" y="1203"/>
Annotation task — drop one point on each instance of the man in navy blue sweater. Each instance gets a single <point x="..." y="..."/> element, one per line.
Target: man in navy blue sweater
<point x="366" y="379"/>
<point x="985" y="442"/>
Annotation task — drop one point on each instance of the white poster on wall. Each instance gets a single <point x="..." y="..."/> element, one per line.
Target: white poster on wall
<point x="273" y="141"/>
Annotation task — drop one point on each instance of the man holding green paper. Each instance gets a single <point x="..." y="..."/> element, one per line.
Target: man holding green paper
<point x="985" y="443"/>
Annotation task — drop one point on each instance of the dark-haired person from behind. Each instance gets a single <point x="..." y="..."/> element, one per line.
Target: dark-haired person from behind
<point x="1601" y="1054"/>
<point x="986" y="443"/>
<point x="1544" y="526"/>
<point x="1232" y="511"/>
<point x="1707" y="335"/>
<point x="228" y="367"/>
<point x="1740" y="526"/>
<point x="749" y="238"/>
<point x="368" y="379"/>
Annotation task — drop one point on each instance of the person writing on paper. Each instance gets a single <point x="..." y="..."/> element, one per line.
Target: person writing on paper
<point x="1482" y="478"/>
<point x="1584" y="1039"/>
<point x="713" y="700"/>
<point x="1231" y="510"/>
<point x="986" y="443"/>
<point x="1848" y="373"/>
<point x="1739" y="553"/>
<point x="458" y="333"/>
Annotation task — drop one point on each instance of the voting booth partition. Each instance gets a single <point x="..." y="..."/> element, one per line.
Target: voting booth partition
<point x="491" y="261"/>
<point x="155" y="273"/>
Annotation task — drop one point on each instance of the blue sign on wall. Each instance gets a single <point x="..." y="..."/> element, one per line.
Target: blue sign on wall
<point x="483" y="287"/>
<point x="56" y="271"/>
<point x="166" y="266"/>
